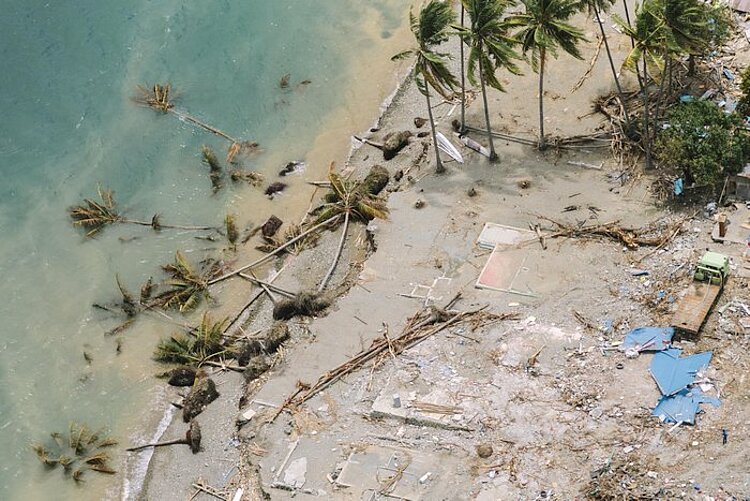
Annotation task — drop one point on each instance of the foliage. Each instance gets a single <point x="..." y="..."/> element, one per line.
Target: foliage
<point x="703" y="142"/>
<point x="187" y="285"/>
<point x="230" y="225"/>
<point x="196" y="348"/>
<point x="348" y="196"/>
<point x="490" y="41"/>
<point x="430" y="29"/>
<point x="81" y="450"/>
<point x="93" y="216"/>
<point x="743" y="106"/>
<point x="544" y="27"/>
<point x="156" y="97"/>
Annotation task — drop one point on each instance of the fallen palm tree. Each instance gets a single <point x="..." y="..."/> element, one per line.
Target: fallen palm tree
<point x="159" y="97"/>
<point x="354" y="200"/>
<point x="195" y="348"/>
<point x="81" y="450"/>
<point x="192" y="438"/>
<point x="424" y="324"/>
<point x="188" y="284"/>
<point x="93" y="216"/>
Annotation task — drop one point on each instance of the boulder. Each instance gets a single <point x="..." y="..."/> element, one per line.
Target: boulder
<point x="201" y="394"/>
<point x="395" y="142"/>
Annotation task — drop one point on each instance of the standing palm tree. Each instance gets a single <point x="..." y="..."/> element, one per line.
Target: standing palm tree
<point x="463" y="75"/>
<point x="651" y="42"/>
<point x="593" y="8"/>
<point x="491" y="49"/>
<point x="431" y="69"/>
<point x="544" y="27"/>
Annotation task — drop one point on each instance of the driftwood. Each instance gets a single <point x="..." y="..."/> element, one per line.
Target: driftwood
<point x="422" y="325"/>
<point x="632" y="238"/>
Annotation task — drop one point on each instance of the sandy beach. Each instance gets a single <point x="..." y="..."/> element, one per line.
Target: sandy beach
<point x="524" y="404"/>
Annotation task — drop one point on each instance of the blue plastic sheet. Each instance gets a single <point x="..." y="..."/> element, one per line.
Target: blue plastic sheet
<point x="683" y="406"/>
<point x="679" y="186"/>
<point x="648" y="339"/>
<point x="673" y="373"/>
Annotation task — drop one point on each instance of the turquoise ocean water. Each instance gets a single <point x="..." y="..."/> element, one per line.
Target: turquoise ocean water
<point x="68" y="123"/>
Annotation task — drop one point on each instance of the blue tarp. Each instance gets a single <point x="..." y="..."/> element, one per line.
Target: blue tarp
<point x="673" y="373"/>
<point x="683" y="406"/>
<point x="679" y="186"/>
<point x="648" y="339"/>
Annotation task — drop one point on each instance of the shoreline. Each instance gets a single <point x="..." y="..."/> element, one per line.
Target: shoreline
<point x="146" y="470"/>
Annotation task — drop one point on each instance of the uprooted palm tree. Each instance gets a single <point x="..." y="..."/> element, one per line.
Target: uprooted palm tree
<point x="187" y="284"/>
<point x="196" y="347"/>
<point x="491" y="50"/>
<point x="82" y="449"/>
<point x="93" y="216"/>
<point x="352" y="200"/>
<point x="430" y="29"/>
<point x="543" y="28"/>
<point x="159" y="97"/>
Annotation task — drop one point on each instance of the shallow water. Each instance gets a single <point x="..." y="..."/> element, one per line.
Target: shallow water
<point x="69" y="123"/>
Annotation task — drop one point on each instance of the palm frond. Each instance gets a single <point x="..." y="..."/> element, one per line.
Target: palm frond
<point x="93" y="216"/>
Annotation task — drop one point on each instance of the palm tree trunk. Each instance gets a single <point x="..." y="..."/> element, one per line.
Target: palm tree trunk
<point x="463" y="78"/>
<point x="338" y="254"/>
<point x="614" y="71"/>
<point x="493" y="155"/>
<point x="439" y="167"/>
<point x="646" y="133"/>
<point x="660" y="95"/>
<point x="627" y="18"/>
<point x="268" y="256"/>
<point x="542" y="57"/>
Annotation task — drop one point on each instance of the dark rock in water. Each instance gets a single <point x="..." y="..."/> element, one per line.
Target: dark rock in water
<point x="304" y="303"/>
<point x="305" y="82"/>
<point x="284" y="81"/>
<point x="290" y="168"/>
<point x="203" y="393"/>
<point x="376" y="180"/>
<point x="395" y="142"/>
<point x="193" y="437"/>
<point x="256" y="367"/>
<point x="271" y="226"/>
<point x="275" y="337"/>
<point x="274" y="188"/>
<point x="419" y="122"/>
<point x="182" y="376"/>
<point x="423" y="134"/>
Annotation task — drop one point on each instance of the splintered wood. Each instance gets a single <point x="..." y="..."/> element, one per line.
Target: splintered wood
<point x="632" y="238"/>
<point x="422" y="325"/>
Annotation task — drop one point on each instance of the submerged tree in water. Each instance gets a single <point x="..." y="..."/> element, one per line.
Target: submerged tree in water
<point x="187" y="284"/>
<point x="81" y="450"/>
<point x="93" y="216"/>
<point x="195" y="348"/>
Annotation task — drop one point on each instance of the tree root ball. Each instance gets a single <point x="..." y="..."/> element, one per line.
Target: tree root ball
<point x="304" y="303"/>
<point x="201" y="394"/>
<point x="395" y="142"/>
<point x="376" y="180"/>
<point x="256" y="367"/>
<point x="181" y="376"/>
<point x="268" y="344"/>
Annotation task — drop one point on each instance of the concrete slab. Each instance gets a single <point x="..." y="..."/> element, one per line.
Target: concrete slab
<point x="379" y="472"/>
<point x="494" y="234"/>
<point x="506" y="271"/>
